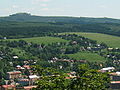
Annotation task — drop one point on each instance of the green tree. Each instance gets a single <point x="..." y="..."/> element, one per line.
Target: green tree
<point x="50" y="79"/>
<point x="89" y="79"/>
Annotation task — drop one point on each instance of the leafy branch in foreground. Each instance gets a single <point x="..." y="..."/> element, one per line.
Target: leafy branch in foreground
<point x="50" y="79"/>
<point x="89" y="79"/>
<point x="86" y="79"/>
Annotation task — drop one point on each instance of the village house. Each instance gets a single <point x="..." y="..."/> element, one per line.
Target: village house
<point x="24" y="82"/>
<point x="115" y="76"/>
<point x="15" y="57"/>
<point x="14" y="74"/>
<point x="19" y="67"/>
<point x="71" y="75"/>
<point x="29" y="87"/>
<point x="26" y="66"/>
<point x="33" y="79"/>
<point x="115" y="80"/>
<point x="107" y="69"/>
<point x="115" y="85"/>
<point x="8" y="87"/>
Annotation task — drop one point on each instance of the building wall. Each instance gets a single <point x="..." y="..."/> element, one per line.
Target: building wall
<point x="115" y="86"/>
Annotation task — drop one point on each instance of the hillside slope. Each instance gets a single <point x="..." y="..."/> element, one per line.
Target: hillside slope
<point x="25" y="17"/>
<point x="111" y="41"/>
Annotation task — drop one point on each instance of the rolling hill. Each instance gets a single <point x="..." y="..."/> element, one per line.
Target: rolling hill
<point x="111" y="41"/>
<point x="91" y="57"/>
<point x="26" y="17"/>
<point x="41" y="40"/>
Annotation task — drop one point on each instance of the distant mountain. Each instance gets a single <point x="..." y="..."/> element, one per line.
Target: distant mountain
<point x="26" y="25"/>
<point x="26" y="17"/>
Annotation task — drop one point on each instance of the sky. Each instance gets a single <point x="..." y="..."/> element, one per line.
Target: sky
<point x="77" y="8"/>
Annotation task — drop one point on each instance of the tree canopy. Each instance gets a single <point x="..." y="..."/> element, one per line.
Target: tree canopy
<point x="86" y="79"/>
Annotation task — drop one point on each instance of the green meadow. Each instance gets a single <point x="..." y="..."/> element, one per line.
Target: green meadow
<point x="110" y="40"/>
<point x="40" y="40"/>
<point x="92" y="57"/>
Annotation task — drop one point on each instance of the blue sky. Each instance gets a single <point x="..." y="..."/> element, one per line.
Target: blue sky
<point x="83" y="8"/>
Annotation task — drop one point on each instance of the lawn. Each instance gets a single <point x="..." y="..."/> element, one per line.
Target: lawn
<point x="92" y="57"/>
<point x="111" y="41"/>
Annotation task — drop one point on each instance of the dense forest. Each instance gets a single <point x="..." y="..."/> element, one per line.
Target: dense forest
<point x="29" y="29"/>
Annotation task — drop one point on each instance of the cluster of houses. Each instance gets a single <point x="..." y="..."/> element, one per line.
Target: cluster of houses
<point x="114" y="76"/>
<point x="55" y="59"/>
<point x="22" y="78"/>
<point x="19" y="80"/>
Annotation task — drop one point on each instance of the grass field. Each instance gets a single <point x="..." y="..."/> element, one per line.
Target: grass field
<point x="92" y="57"/>
<point x="40" y="40"/>
<point x="111" y="41"/>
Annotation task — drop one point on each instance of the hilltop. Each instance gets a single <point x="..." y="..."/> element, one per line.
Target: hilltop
<point x="26" y="17"/>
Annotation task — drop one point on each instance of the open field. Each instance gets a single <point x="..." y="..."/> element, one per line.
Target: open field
<point x="40" y="40"/>
<point x="92" y="57"/>
<point x="111" y="41"/>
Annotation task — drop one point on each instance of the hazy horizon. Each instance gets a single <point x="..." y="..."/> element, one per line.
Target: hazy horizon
<point x="60" y="16"/>
<point x="74" y="8"/>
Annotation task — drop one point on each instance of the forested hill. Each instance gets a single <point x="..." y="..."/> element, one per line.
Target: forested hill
<point x="35" y="29"/>
<point x="25" y="17"/>
<point x="22" y="25"/>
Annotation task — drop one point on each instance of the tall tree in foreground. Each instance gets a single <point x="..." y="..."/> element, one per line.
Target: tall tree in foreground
<point x="50" y="79"/>
<point x="89" y="79"/>
<point x="86" y="79"/>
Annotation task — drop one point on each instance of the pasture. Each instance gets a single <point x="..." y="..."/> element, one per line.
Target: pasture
<point x="92" y="57"/>
<point x="111" y="41"/>
<point x="40" y="40"/>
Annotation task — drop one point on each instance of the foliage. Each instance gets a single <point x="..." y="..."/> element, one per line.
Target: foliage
<point x="31" y="29"/>
<point x="87" y="79"/>
<point x="50" y="79"/>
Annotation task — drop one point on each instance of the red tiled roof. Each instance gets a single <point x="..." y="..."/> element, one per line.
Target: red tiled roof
<point x="30" y="87"/>
<point x="8" y="86"/>
<point x="67" y="77"/>
<point x="68" y="73"/>
<point x="115" y="81"/>
<point x="24" y="80"/>
<point x="113" y="73"/>
<point x="26" y="66"/>
<point x="14" y="72"/>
